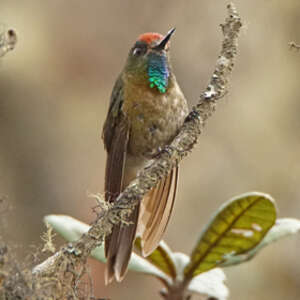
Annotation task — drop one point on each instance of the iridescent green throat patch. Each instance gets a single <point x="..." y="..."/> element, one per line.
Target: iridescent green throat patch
<point x="158" y="72"/>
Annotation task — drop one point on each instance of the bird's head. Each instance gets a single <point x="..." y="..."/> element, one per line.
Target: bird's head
<point x="148" y="60"/>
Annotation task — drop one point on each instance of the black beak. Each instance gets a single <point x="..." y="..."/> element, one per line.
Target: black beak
<point x="164" y="41"/>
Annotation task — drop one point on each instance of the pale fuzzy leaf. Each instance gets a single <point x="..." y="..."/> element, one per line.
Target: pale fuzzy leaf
<point x="68" y="227"/>
<point x="210" y="283"/>
<point x="72" y="229"/>
<point x="282" y="228"/>
<point x="180" y="260"/>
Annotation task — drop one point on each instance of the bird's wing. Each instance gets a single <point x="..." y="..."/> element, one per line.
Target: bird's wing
<point x="156" y="209"/>
<point x="118" y="245"/>
<point x="114" y="114"/>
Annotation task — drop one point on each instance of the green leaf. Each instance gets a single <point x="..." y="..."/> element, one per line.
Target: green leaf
<point x="72" y="229"/>
<point x="282" y="228"/>
<point x="161" y="257"/>
<point x="236" y="228"/>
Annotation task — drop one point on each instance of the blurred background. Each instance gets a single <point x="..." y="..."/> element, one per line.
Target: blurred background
<point x="55" y="88"/>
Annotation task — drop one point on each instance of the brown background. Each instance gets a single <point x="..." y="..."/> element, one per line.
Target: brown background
<point x="55" y="89"/>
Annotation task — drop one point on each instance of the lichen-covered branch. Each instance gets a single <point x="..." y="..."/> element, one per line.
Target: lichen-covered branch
<point x="74" y="255"/>
<point x="8" y="40"/>
<point x="294" y="45"/>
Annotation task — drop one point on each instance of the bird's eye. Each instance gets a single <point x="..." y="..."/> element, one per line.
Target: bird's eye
<point x="137" y="51"/>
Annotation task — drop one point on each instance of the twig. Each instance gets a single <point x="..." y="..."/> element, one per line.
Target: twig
<point x="74" y="255"/>
<point x="8" y="40"/>
<point x="293" y="45"/>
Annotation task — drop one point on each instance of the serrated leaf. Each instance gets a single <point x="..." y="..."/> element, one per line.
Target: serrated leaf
<point x="161" y="257"/>
<point x="236" y="228"/>
<point x="211" y="284"/>
<point x="281" y="229"/>
<point x="72" y="229"/>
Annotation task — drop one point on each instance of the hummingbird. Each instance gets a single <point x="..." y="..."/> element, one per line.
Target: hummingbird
<point x="147" y="109"/>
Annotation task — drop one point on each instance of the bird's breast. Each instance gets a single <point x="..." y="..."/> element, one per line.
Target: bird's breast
<point x="154" y="117"/>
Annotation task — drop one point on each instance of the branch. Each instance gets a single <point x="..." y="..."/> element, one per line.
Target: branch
<point x="294" y="45"/>
<point x="8" y="40"/>
<point x="73" y="256"/>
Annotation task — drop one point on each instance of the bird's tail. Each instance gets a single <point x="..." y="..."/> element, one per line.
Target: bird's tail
<point x="148" y="220"/>
<point x="118" y="247"/>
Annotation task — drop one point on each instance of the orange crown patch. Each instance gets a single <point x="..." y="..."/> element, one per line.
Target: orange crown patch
<point x="150" y="37"/>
